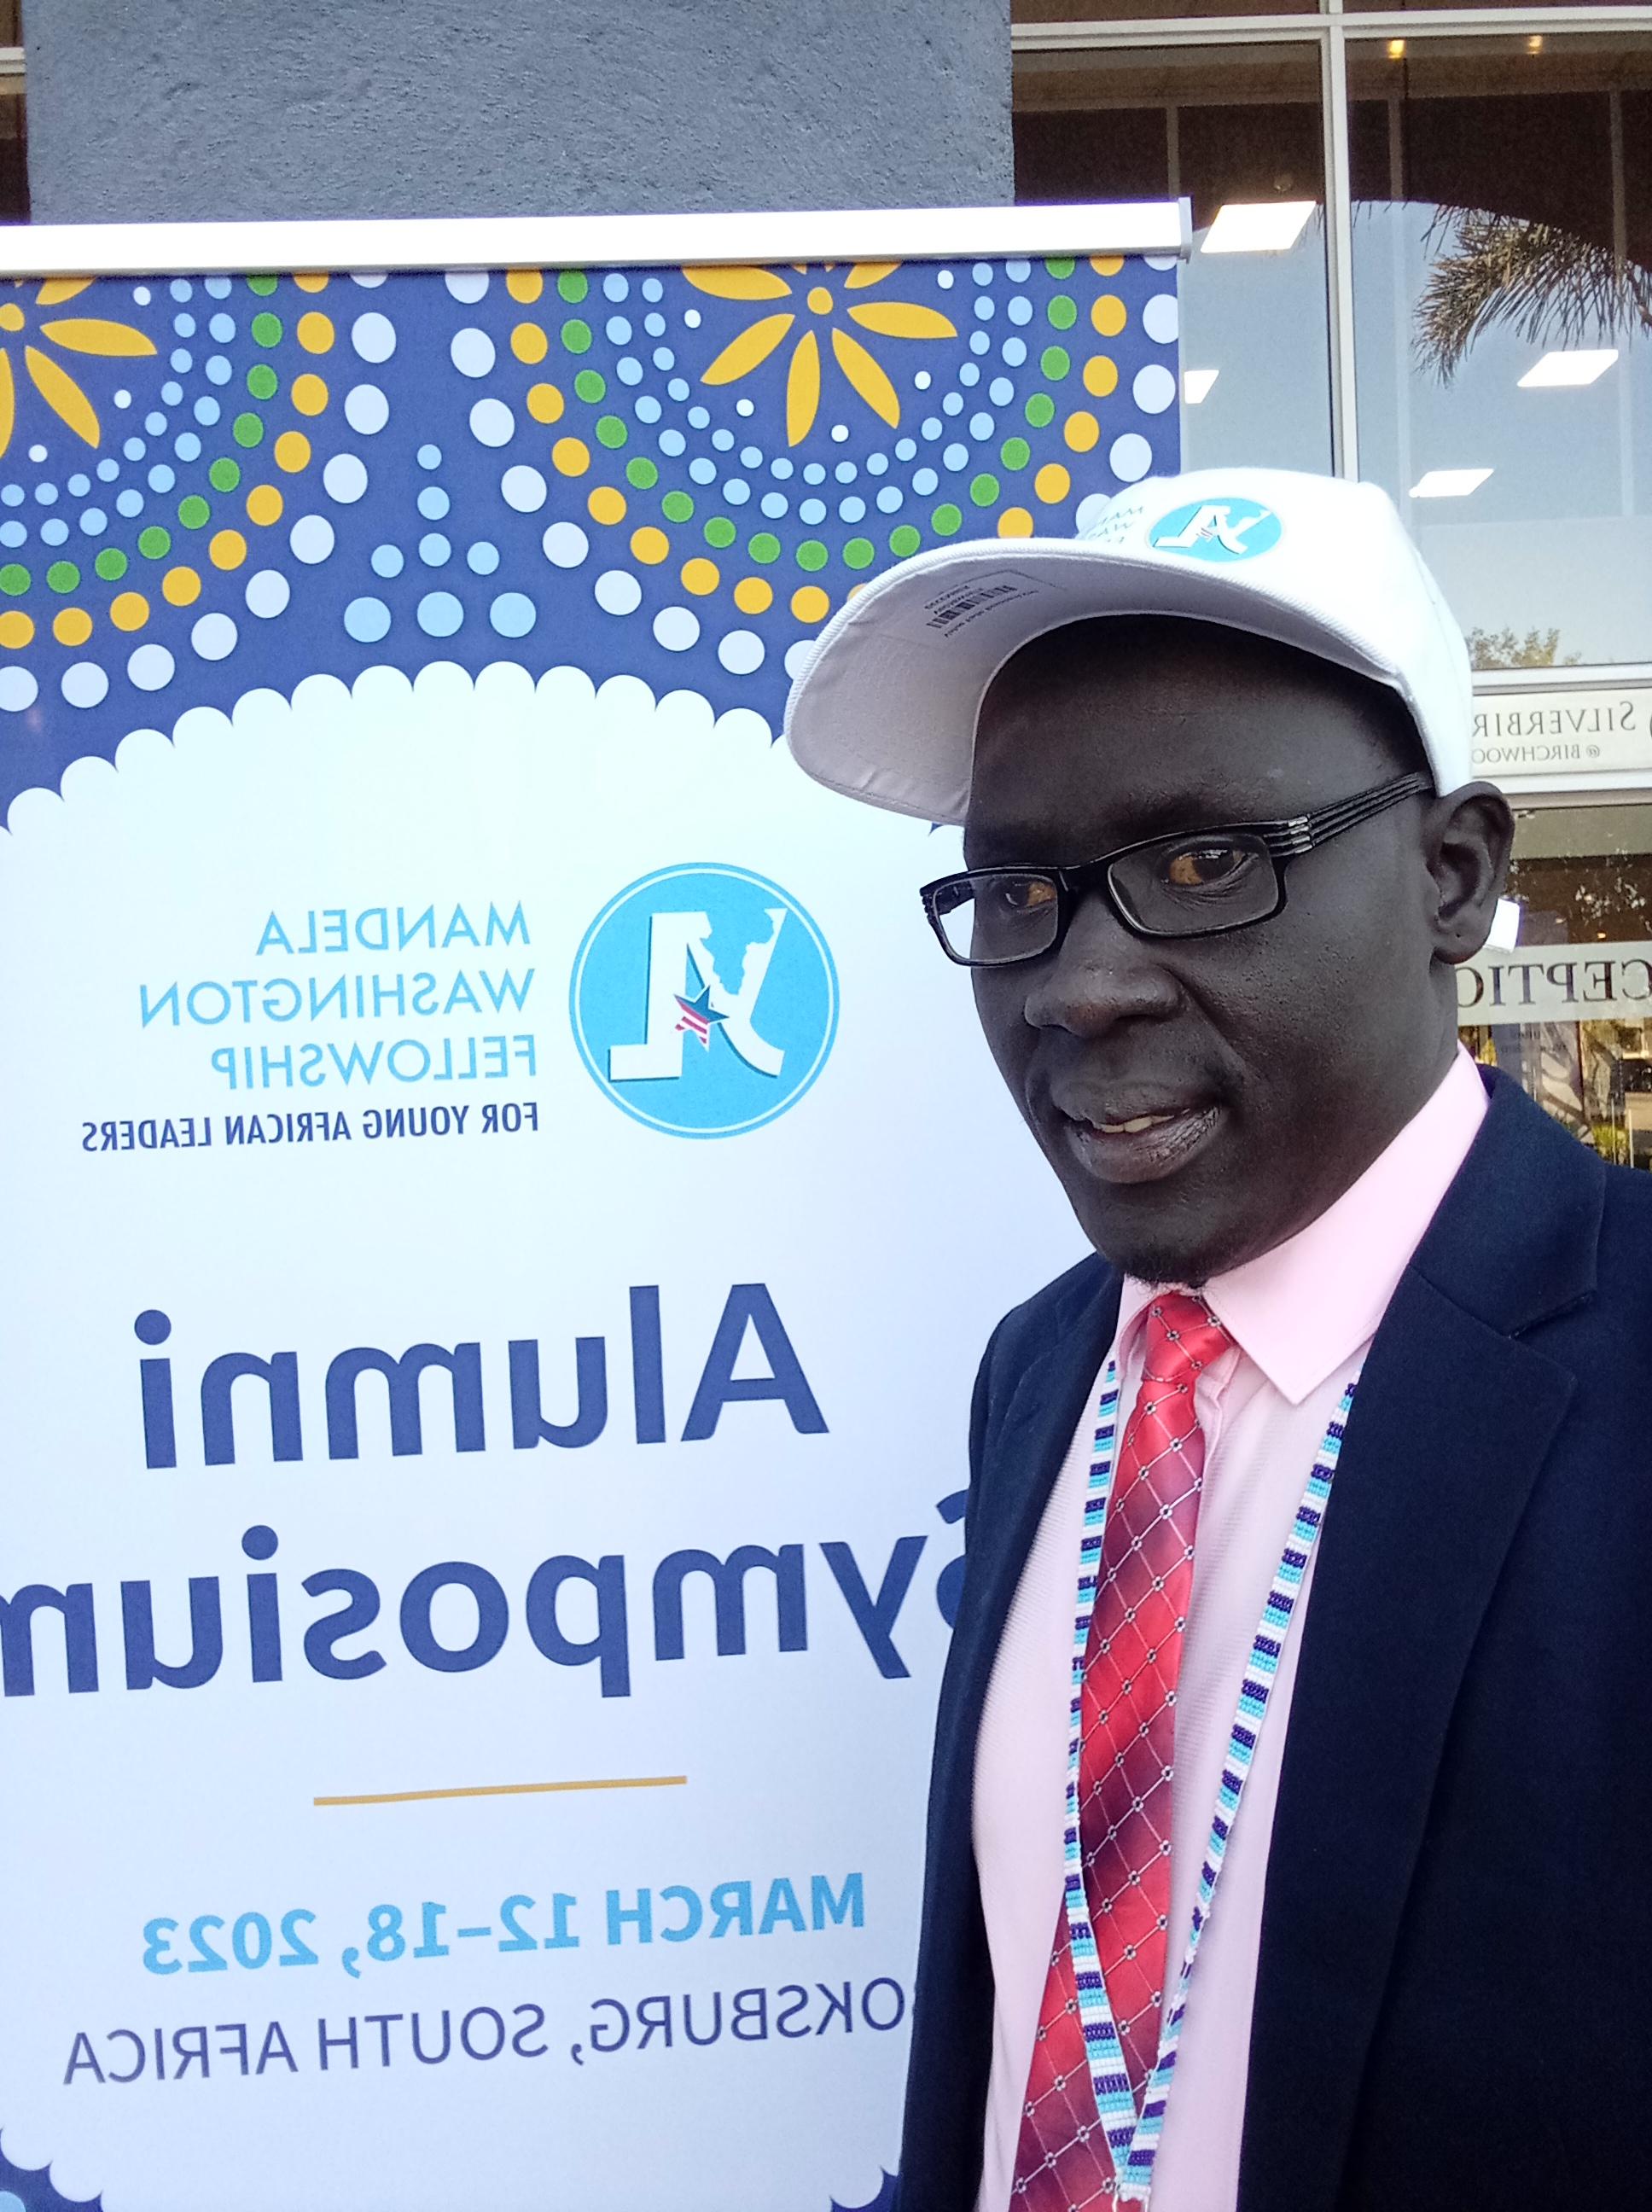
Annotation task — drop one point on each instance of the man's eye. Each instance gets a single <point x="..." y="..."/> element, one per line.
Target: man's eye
<point x="1026" y="893"/>
<point x="1205" y="867"/>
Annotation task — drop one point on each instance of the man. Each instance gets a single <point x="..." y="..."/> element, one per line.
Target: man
<point x="1302" y="1638"/>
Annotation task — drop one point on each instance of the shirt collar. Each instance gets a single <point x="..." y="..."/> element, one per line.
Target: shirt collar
<point x="1303" y="1309"/>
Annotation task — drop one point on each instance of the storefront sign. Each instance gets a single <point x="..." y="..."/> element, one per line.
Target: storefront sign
<point x="1569" y="736"/>
<point x="1557" y="983"/>
<point x="503" y="1200"/>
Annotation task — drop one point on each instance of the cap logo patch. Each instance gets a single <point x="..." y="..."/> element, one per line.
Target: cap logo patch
<point x="1220" y="531"/>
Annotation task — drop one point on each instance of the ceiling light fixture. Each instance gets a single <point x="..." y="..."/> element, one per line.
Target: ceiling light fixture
<point x="1258" y="226"/>
<point x="1396" y="49"/>
<point x="1196" y="383"/>
<point x="1449" y="483"/>
<point x="1571" y="365"/>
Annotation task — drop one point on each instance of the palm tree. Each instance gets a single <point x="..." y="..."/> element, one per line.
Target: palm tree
<point x="1550" y="284"/>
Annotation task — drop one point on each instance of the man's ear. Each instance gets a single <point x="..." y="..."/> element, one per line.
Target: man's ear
<point x="1468" y="836"/>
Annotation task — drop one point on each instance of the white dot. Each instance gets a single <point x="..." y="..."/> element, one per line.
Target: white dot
<point x="1130" y="457"/>
<point x="311" y="538"/>
<point x="214" y="637"/>
<point x="1155" y="388"/>
<point x="85" y="684"/>
<point x="741" y="652"/>
<point x="1091" y="507"/>
<point x="18" y="690"/>
<point x="492" y="422"/>
<point x="150" y="667"/>
<point x="1159" y="317"/>
<point x="1161" y="261"/>
<point x="676" y="628"/>
<point x="473" y="352"/>
<point x="799" y="656"/>
<point x="618" y="592"/>
<point x="523" y="489"/>
<point x="345" y="479"/>
<point x="566" y="545"/>
<point x="365" y="409"/>
<point x="369" y="279"/>
<point x="267" y="593"/>
<point x="374" y="336"/>
<point x="469" y="285"/>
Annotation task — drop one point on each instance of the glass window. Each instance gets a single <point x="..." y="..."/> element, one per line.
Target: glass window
<point x="1134" y="11"/>
<point x="1239" y="130"/>
<point x="1502" y="302"/>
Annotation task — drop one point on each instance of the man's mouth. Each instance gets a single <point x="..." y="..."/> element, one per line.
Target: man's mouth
<point x="1121" y="1147"/>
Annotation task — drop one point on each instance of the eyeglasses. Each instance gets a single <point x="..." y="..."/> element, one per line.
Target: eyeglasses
<point x="1200" y="883"/>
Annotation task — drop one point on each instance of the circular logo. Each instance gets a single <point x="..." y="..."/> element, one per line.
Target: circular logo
<point x="1218" y="530"/>
<point x="704" y="1000"/>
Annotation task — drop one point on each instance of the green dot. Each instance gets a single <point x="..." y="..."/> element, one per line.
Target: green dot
<point x="1060" y="268"/>
<point x="859" y="553"/>
<point x="610" y="431"/>
<point x="677" y="506"/>
<point x="62" y="576"/>
<point x="111" y="564"/>
<point x="1055" y="361"/>
<point x="1041" y="410"/>
<point x="642" y="473"/>
<point x="263" y="286"/>
<point x="247" y="430"/>
<point x="904" y="541"/>
<point x="576" y="337"/>
<point x="765" y="546"/>
<point x="1014" y="452"/>
<point x="193" y="512"/>
<point x="946" y="520"/>
<point x="720" y="531"/>
<point x="1062" y="313"/>
<point x="812" y="554"/>
<point x="155" y="543"/>
<point x="261" y="381"/>
<point x="984" y="490"/>
<point x="14" y="578"/>
<point x="591" y="385"/>
<point x="572" y="284"/>
<point x="266" y="330"/>
<point x="224" y="475"/>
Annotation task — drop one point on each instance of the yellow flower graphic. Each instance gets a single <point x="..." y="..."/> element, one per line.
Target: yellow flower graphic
<point x="73" y="334"/>
<point x="889" y="319"/>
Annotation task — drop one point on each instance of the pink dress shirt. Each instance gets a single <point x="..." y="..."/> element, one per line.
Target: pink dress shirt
<point x="1301" y="1317"/>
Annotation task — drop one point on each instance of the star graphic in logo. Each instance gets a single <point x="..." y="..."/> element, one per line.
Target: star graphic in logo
<point x="698" y="1015"/>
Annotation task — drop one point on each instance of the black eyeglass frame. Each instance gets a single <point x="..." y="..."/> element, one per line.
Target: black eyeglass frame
<point x="1284" y="840"/>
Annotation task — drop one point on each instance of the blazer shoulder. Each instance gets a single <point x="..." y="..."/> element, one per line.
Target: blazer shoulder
<point x="1027" y="1330"/>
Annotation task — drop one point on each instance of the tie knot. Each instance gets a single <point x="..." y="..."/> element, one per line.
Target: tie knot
<point x="1183" y="1337"/>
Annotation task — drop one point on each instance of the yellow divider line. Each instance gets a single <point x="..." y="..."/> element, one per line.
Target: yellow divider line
<point x="509" y="1789"/>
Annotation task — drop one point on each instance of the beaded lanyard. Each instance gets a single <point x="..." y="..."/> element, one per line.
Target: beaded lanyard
<point x="1132" y="2139"/>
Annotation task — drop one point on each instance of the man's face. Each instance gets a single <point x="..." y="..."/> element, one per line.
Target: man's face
<point x="1263" y="1071"/>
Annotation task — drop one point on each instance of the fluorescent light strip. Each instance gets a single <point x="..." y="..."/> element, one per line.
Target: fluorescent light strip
<point x="1196" y="383"/>
<point x="1449" y="483"/>
<point x="1258" y="226"/>
<point x="1571" y="365"/>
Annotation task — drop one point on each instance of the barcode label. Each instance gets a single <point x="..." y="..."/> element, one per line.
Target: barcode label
<point x="955" y="607"/>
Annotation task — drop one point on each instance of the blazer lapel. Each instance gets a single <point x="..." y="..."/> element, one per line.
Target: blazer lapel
<point x="1452" y="1421"/>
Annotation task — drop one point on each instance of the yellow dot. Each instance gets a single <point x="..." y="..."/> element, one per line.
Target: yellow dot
<point x="1081" y="430"/>
<point x="292" y="451"/>
<point x="72" y="627"/>
<point x="544" y="403"/>
<point x="701" y="576"/>
<point x="309" y="394"/>
<point x="1101" y="375"/>
<point x="525" y="285"/>
<point x="264" y="504"/>
<point x="809" y="603"/>
<point x="227" y="550"/>
<point x="1015" y="522"/>
<point x="1052" y="483"/>
<point x="528" y="342"/>
<point x="1107" y="313"/>
<point x="754" y="595"/>
<point x="180" y="587"/>
<point x="1107" y="265"/>
<point x="606" y="504"/>
<point x="650" y="545"/>
<point x="820" y="300"/>
<point x="11" y="316"/>
<point x="16" y="629"/>
<point x="311" y="281"/>
<point x="572" y="456"/>
<point x="315" y="333"/>
<point x="128" y="611"/>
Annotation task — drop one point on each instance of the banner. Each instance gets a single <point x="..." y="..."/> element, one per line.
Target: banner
<point x="504" y="1200"/>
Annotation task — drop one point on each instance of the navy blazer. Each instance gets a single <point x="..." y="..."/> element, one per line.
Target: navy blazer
<point x="1454" y="1995"/>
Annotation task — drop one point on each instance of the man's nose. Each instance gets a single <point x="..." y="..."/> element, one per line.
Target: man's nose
<point x="1101" y="975"/>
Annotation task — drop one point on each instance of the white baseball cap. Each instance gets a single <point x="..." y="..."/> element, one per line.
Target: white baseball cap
<point x="885" y="710"/>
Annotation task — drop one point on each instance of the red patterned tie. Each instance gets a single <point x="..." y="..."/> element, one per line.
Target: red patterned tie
<point x="1131" y="1661"/>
